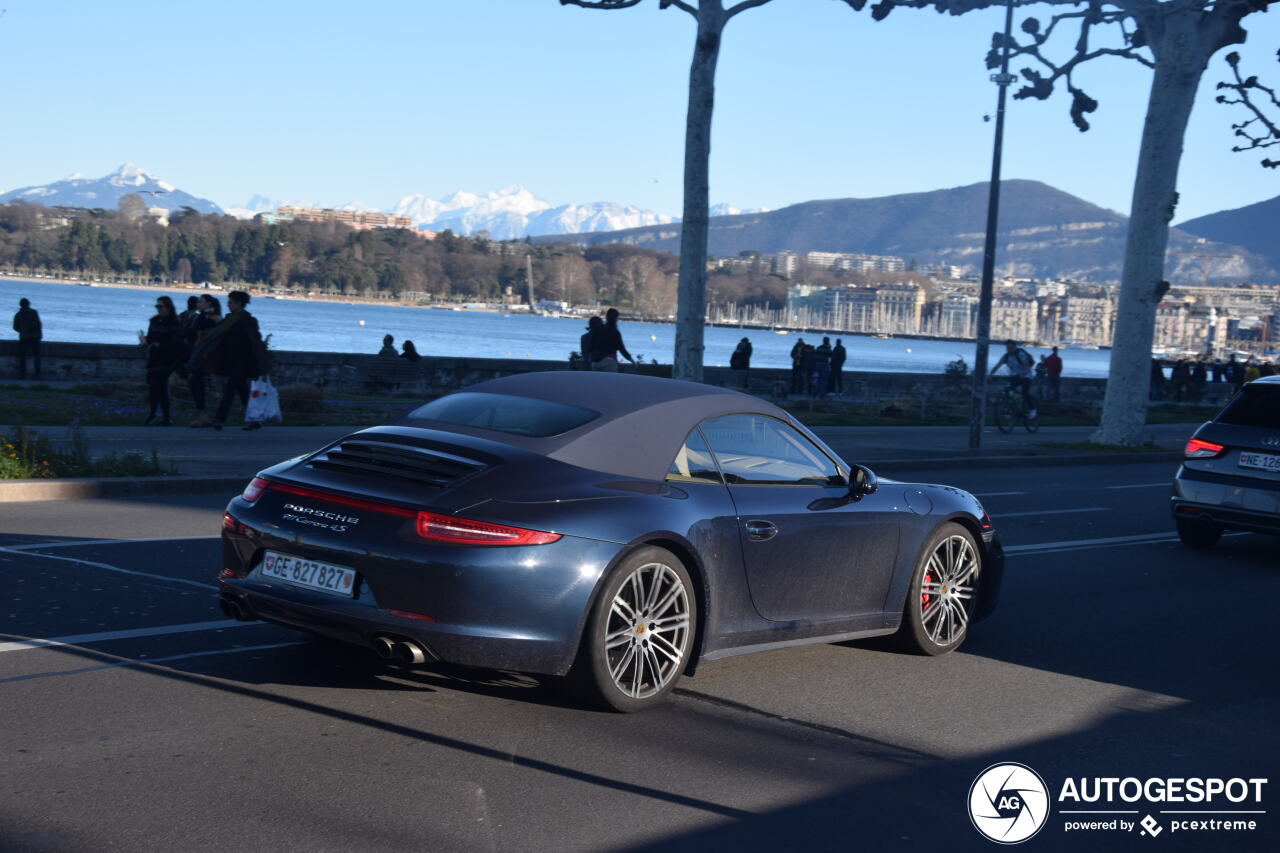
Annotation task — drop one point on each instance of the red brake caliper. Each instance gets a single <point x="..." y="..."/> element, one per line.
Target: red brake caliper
<point x="924" y="596"/>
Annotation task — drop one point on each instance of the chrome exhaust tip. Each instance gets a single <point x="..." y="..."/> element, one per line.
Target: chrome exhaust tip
<point x="410" y="652"/>
<point x="384" y="648"/>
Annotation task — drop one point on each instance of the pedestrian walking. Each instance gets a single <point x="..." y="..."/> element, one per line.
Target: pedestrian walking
<point x="236" y="352"/>
<point x="797" y="367"/>
<point x="1157" y="379"/>
<point x="409" y="352"/>
<point x="838" y="356"/>
<point x="209" y="315"/>
<point x="388" y="347"/>
<point x="163" y="341"/>
<point x="1218" y="371"/>
<point x="1053" y="373"/>
<point x="740" y="362"/>
<point x="27" y="324"/>
<point x="607" y="343"/>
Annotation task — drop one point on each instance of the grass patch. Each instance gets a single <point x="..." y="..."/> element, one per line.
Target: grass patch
<point x="1149" y="447"/>
<point x="29" y="455"/>
<point x="125" y="404"/>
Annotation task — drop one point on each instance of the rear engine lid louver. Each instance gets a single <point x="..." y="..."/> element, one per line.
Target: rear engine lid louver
<point x="382" y="460"/>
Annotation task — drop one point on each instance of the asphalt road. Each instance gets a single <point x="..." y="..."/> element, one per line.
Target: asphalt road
<point x="153" y="724"/>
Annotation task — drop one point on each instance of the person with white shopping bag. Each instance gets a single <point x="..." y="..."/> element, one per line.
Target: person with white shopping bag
<point x="234" y="349"/>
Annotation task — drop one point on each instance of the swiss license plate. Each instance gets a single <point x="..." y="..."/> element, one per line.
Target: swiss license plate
<point x="1261" y="461"/>
<point x="313" y="574"/>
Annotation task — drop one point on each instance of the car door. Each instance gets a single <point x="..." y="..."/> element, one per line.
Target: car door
<point x="810" y="551"/>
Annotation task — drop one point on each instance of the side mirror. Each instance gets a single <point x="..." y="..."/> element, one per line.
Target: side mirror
<point x="862" y="482"/>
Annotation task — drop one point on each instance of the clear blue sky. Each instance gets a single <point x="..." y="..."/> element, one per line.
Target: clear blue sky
<point x="334" y="102"/>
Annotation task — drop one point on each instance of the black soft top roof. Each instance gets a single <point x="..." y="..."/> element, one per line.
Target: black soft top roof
<point x="643" y="419"/>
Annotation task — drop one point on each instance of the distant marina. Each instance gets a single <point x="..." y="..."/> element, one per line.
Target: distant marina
<point x="107" y="313"/>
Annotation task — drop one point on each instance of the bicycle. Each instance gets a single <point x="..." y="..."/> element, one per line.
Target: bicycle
<point x="1010" y="408"/>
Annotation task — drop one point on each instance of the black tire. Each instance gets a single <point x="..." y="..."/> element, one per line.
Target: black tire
<point x="1200" y="535"/>
<point x="1004" y="414"/>
<point x="938" y="612"/>
<point x="650" y="651"/>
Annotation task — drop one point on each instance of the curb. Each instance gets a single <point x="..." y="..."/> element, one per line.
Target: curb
<point x="952" y="463"/>
<point x="79" y="488"/>
<point x="15" y="491"/>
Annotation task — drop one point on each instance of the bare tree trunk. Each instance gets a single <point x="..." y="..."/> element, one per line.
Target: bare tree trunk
<point x="691" y="304"/>
<point x="1180" y="61"/>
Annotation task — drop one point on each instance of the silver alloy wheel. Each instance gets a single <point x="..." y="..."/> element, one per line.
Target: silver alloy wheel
<point x="946" y="590"/>
<point x="647" y="633"/>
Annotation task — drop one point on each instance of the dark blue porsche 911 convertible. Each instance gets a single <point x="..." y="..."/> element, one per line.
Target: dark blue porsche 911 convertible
<point x="614" y="529"/>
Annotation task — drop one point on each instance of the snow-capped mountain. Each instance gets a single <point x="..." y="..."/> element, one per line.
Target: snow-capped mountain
<point x="106" y="192"/>
<point x="514" y="212"/>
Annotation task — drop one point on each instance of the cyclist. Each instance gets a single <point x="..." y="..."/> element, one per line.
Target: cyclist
<point x="1020" y="364"/>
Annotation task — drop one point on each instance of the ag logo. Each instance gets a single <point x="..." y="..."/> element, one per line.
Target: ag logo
<point x="1008" y="803"/>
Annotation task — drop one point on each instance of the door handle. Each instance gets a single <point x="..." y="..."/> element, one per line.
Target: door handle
<point x="761" y="530"/>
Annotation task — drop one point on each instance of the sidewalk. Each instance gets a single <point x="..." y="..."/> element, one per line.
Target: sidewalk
<point x="224" y="461"/>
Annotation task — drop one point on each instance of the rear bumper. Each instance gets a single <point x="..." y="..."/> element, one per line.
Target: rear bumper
<point x="1231" y="502"/>
<point x="516" y="608"/>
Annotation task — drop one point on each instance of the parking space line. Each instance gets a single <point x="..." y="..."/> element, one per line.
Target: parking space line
<point x="1001" y="515"/>
<point x="110" y="568"/>
<point x="149" y="661"/>
<point x="127" y="634"/>
<point x="1073" y="544"/>
<point x="82" y="542"/>
<point x="1166" y="484"/>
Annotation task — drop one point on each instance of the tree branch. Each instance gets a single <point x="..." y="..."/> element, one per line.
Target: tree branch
<point x="679" y="4"/>
<point x="600" y="4"/>
<point x="743" y="6"/>
<point x="1261" y="131"/>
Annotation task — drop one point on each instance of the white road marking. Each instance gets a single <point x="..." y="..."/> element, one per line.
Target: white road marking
<point x="159" y="630"/>
<point x="1166" y="484"/>
<point x="111" y="568"/>
<point x="996" y="494"/>
<point x="77" y="544"/>
<point x="152" y="661"/>
<point x="1001" y="515"/>
<point x="1081" y="544"/>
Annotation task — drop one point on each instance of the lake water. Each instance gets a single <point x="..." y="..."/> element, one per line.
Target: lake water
<point x="114" y="315"/>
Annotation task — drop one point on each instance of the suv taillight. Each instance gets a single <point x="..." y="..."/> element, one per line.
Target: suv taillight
<point x="1198" y="448"/>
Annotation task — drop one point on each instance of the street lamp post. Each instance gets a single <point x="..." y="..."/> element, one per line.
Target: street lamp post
<point x="977" y="412"/>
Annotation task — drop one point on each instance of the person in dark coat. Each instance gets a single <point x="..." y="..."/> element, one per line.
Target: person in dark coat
<point x="27" y="324"/>
<point x="585" y="345"/>
<point x="838" y="355"/>
<point x="797" y="367"/>
<point x="822" y="367"/>
<point x="208" y="316"/>
<point x="410" y="352"/>
<point x="239" y="354"/>
<point x="163" y="341"/>
<point x="606" y="344"/>
<point x="388" y="347"/>
<point x="740" y="362"/>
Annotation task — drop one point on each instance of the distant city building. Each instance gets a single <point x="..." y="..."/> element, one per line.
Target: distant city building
<point x="358" y="219"/>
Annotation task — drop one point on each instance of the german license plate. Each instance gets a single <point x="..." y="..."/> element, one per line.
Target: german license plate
<point x="1261" y="461"/>
<point x="312" y="574"/>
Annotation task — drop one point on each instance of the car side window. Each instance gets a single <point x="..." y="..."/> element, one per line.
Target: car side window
<point x="756" y="450"/>
<point x="694" y="463"/>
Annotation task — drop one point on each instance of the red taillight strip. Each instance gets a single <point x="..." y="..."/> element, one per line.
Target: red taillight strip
<point x="464" y="531"/>
<point x="356" y="503"/>
<point x="432" y="525"/>
<point x="1198" y="448"/>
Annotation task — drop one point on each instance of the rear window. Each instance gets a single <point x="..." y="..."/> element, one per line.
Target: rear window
<point x="503" y="413"/>
<point x="1257" y="406"/>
